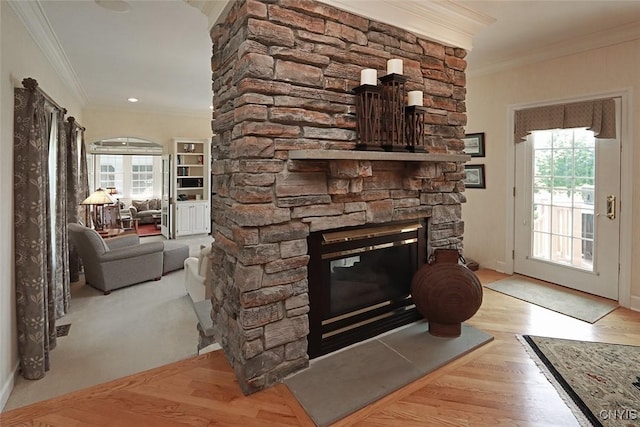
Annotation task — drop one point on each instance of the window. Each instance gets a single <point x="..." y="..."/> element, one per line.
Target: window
<point x="135" y="177"/>
<point x="111" y="171"/>
<point x="563" y="188"/>
<point x="142" y="176"/>
<point x="131" y="165"/>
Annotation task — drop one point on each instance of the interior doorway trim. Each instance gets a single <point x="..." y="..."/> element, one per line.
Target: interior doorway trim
<point x="626" y="184"/>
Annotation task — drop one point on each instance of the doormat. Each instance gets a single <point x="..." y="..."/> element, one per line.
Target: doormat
<point x="148" y="230"/>
<point x="62" y="330"/>
<point x="556" y="298"/>
<point x="340" y="383"/>
<point x="598" y="381"/>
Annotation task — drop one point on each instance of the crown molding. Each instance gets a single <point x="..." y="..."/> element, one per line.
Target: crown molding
<point x="38" y="26"/>
<point x="212" y="9"/>
<point x="443" y="21"/>
<point x="572" y="46"/>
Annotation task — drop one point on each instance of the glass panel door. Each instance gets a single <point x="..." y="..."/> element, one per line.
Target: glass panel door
<point x="566" y="230"/>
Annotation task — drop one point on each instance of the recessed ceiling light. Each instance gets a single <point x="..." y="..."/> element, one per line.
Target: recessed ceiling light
<point x="132" y="99"/>
<point x="114" y="5"/>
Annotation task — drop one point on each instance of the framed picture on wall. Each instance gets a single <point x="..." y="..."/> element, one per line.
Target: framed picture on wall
<point x="474" y="144"/>
<point x="474" y="176"/>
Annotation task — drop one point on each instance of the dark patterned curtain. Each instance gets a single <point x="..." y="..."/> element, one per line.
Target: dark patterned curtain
<point x="83" y="190"/>
<point x="76" y="190"/>
<point x="35" y="295"/>
<point x="61" y="239"/>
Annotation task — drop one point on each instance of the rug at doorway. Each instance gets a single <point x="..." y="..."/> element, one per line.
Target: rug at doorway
<point x="340" y="383"/>
<point x="598" y="381"/>
<point x="148" y="230"/>
<point x="563" y="300"/>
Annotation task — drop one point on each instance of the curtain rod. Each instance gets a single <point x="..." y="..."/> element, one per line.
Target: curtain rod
<point x="32" y="85"/>
<point x="72" y="120"/>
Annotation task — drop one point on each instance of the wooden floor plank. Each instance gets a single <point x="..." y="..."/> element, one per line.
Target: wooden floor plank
<point x="497" y="384"/>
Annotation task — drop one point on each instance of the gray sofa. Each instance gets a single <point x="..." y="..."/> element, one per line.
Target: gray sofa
<point x="117" y="262"/>
<point x="144" y="210"/>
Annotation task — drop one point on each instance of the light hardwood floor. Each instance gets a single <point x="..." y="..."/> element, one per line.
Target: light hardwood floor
<point x="496" y="385"/>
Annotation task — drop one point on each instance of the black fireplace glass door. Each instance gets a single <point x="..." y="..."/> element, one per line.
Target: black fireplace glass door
<point x="370" y="278"/>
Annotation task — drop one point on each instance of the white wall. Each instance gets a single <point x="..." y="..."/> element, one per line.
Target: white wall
<point x="20" y="58"/>
<point x="159" y="128"/>
<point x="488" y="97"/>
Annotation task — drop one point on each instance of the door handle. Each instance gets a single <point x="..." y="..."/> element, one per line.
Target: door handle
<point x="611" y="207"/>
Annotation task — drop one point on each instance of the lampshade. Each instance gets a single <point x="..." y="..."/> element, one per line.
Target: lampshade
<point x="98" y="197"/>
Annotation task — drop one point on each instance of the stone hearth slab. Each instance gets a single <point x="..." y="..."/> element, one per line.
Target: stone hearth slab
<point x="343" y="382"/>
<point x="429" y="353"/>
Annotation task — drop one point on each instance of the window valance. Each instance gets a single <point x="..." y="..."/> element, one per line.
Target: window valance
<point x="598" y="115"/>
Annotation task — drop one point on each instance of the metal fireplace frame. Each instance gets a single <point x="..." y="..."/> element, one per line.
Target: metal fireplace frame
<point x="328" y="333"/>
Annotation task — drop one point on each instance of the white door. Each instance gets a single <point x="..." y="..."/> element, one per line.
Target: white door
<point x="165" y="200"/>
<point x="567" y="227"/>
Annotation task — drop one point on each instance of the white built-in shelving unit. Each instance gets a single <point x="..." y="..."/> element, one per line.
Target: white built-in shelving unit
<point x="191" y="187"/>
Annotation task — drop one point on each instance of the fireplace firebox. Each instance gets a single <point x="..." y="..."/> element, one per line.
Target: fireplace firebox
<point x="360" y="282"/>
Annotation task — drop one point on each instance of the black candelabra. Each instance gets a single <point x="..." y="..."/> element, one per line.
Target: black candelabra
<point x="368" y="116"/>
<point x="384" y="122"/>
<point x="414" y="128"/>
<point x="393" y="101"/>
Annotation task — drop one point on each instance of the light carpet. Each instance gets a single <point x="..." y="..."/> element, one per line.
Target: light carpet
<point x="557" y="298"/>
<point x="343" y="382"/>
<point x="133" y="329"/>
<point x="599" y="381"/>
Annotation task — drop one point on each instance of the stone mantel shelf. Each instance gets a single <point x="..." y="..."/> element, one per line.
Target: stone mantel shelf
<point x="375" y="155"/>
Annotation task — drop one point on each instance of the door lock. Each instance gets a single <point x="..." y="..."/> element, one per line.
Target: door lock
<point x="611" y="207"/>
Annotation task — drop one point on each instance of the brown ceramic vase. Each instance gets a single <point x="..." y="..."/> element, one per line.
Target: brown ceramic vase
<point x="446" y="293"/>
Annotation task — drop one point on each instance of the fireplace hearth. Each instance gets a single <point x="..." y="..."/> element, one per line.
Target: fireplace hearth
<point x="360" y="280"/>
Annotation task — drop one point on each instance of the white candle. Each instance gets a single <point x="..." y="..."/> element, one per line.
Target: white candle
<point x="369" y="76"/>
<point x="415" y="98"/>
<point x="394" y="66"/>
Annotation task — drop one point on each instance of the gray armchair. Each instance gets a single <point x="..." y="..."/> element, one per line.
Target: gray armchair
<point x="117" y="262"/>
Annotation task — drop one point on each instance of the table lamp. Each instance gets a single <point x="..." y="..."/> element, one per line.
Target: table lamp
<point x="113" y="191"/>
<point x="98" y="198"/>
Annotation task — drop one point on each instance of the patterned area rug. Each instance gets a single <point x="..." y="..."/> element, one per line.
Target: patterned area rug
<point x="600" y="382"/>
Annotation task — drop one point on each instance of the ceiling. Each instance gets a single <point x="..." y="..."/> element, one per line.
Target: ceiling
<point x="159" y="51"/>
<point x="529" y="31"/>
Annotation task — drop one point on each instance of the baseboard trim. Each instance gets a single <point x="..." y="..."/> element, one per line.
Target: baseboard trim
<point x="635" y="303"/>
<point x="7" y="387"/>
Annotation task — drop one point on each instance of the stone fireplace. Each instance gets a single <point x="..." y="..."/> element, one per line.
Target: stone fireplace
<point x="285" y="165"/>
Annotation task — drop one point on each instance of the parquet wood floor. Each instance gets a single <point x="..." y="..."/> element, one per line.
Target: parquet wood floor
<point x="496" y="385"/>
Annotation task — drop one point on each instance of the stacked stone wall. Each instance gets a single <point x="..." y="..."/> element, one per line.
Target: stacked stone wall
<point x="283" y="74"/>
